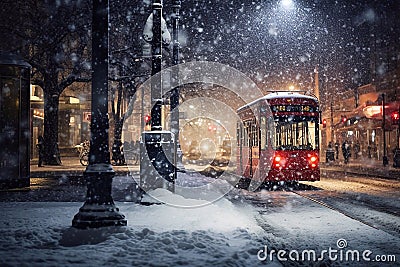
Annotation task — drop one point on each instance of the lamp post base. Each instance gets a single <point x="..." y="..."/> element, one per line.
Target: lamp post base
<point x="99" y="209"/>
<point x="90" y="216"/>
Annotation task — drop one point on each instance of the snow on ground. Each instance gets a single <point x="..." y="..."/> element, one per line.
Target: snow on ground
<point x="224" y="232"/>
<point x="40" y="234"/>
<point x="217" y="233"/>
<point x="375" y="201"/>
<point x="296" y="223"/>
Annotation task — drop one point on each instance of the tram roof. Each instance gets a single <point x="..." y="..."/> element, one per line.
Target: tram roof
<point x="280" y="94"/>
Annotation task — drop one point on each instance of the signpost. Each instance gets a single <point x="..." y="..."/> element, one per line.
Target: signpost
<point x="157" y="164"/>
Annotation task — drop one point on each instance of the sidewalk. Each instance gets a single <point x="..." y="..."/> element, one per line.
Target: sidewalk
<point x="362" y="166"/>
<point x="71" y="168"/>
<point x="66" y="183"/>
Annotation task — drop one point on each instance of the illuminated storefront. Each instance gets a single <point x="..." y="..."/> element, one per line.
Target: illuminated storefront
<point x="73" y="121"/>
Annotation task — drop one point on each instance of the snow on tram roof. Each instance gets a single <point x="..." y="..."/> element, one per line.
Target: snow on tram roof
<point x="280" y="94"/>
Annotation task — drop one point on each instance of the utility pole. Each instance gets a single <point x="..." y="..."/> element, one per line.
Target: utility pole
<point x="385" y="158"/>
<point x="99" y="209"/>
<point x="174" y="99"/>
<point x="332" y="131"/>
<point x="156" y="61"/>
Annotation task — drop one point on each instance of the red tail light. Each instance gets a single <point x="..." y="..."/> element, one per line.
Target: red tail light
<point x="313" y="160"/>
<point x="279" y="161"/>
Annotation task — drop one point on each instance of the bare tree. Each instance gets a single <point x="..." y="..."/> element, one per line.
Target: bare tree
<point x="127" y="67"/>
<point x="54" y="38"/>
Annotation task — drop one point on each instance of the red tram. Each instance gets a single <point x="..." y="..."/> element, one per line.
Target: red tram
<point x="278" y="138"/>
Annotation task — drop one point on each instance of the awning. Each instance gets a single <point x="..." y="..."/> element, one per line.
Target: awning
<point x="374" y="111"/>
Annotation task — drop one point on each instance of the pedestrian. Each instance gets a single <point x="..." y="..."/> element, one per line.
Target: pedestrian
<point x="58" y="155"/>
<point x="346" y="151"/>
<point x="40" y="147"/>
<point x="330" y="154"/>
<point x="136" y="149"/>
<point x="356" y="149"/>
<point x="337" y="149"/>
<point x="135" y="145"/>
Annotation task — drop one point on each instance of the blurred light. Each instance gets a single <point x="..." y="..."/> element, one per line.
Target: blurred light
<point x="372" y="111"/>
<point x="73" y="100"/>
<point x="395" y="117"/>
<point x="147" y="118"/>
<point x="313" y="160"/>
<point x="287" y="4"/>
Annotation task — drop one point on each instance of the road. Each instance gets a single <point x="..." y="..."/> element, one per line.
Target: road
<point x="363" y="212"/>
<point x="373" y="201"/>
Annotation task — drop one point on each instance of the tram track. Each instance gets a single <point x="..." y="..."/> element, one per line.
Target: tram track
<point x="264" y="207"/>
<point x="335" y="209"/>
<point x="365" y="203"/>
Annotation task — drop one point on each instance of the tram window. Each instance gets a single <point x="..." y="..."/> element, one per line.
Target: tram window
<point x="263" y="132"/>
<point x="254" y="134"/>
<point x="246" y="134"/>
<point x="271" y="133"/>
<point x="295" y="134"/>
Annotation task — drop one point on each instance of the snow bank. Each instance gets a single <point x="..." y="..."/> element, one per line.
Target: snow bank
<point x="40" y="234"/>
<point x="219" y="216"/>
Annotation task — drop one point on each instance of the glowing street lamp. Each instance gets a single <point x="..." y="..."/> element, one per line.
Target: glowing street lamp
<point x="287" y="4"/>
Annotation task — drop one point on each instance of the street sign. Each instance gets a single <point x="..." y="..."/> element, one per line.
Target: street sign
<point x="87" y="116"/>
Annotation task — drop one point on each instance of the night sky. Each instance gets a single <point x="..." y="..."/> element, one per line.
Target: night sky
<point x="278" y="45"/>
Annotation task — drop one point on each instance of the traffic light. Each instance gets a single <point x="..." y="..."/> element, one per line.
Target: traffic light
<point x="344" y="119"/>
<point x="324" y="123"/>
<point x="395" y="117"/>
<point x="147" y="119"/>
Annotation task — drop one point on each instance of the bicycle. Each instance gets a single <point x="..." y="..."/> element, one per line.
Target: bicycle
<point x="83" y="150"/>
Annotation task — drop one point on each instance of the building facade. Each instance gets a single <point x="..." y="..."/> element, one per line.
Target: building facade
<point x="359" y="119"/>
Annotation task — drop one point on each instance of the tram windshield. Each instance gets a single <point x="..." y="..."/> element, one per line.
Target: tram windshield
<point x="295" y="133"/>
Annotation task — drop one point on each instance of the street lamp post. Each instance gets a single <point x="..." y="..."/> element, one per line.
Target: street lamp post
<point x="174" y="99"/>
<point x="99" y="209"/>
<point x="332" y="130"/>
<point x="156" y="61"/>
<point x="385" y="157"/>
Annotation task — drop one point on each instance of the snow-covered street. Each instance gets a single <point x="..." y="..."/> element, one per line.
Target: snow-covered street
<point x="241" y="229"/>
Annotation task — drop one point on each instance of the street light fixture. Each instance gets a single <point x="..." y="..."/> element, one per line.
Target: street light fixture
<point x="287" y="4"/>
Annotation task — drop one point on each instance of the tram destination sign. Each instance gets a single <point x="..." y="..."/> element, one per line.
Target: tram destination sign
<point x="294" y="108"/>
